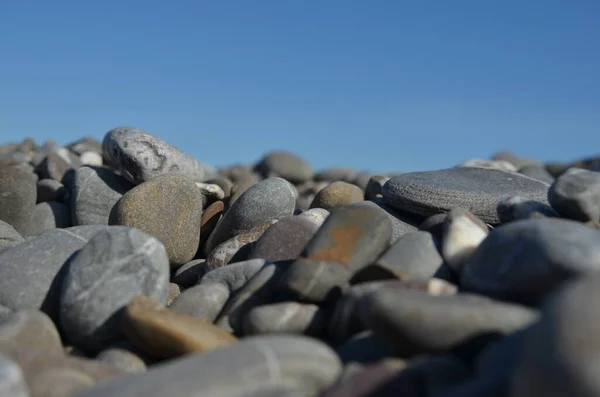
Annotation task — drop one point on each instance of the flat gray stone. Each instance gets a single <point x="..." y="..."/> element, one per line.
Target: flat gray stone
<point x="94" y="192"/>
<point x="9" y="237"/>
<point x="417" y="322"/>
<point x="558" y="355"/>
<point x="115" y="266"/>
<point x="414" y="256"/>
<point x="576" y="195"/>
<point x="47" y="216"/>
<point x="51" y="190"/>
<point x="141" y="156"/>
<point x="235" y="275"/>
<point x="524" y="261"/>
<point x="516" y="208"/>
<point x="236" y="370"/>
<point x="284" y="317"/>
<point x="478" y="189"/>
<point x="18" y="194"/>
<point x="203" y="301"/>
<point x="286" y="165"/>
<point x="12" y="380"/>
<point x="30" y="273"/>
<point x="268" y="200"/>
<point x="285" y="240"/>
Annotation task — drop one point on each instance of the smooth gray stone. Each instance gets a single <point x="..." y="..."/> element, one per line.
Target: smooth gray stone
<point x="284" y="317"/>
<point x="29" y="329"/>
<point x="57" y="165"/>
<point x="374" y="187"/>
<point x="242" y="368"/>
<point x="203" y="301"/>
<point x="516" y="208"/>
<point x="12" y="380"/>
<point x="576" y="195"/>
<point x="268" y="200"/>
<point x="123" y="358"/>
<point x="336" y="174"/>
<point x="103" y="277"/>
<point x="286" y="165"/>
<point x="434" y="225"/>
<point x="285" y="240"/>
<point x="364" y="348"/>
<point x="524" y="261"/>
<point x="18" y="194"/>
<point x="94" y="192"/>
<point x="491" y="164"/>
<point x="30" y="273"/>
<point x="362" y="179"/>
<point x="316" y="215"/>
<point x="47" y="216"/>
<point x="537" y="172"/>
<point x="85" y="144"/>
<point x="478" y="189"/>
<point x="5" y="312"/>
<point x="51" y="190"/>
<point x="257" y="291"/>
<point x="559" y="354"/>
<point x="235" y="275"/>
<point x="402" y="222"/>
<point x="414" y="255"/>
<point x="416" y="322"/>
<point x="315" y="281"/>
<point x="188" y="274"/>
<point x="141" y="156"/>
<point x="9" y="237"/>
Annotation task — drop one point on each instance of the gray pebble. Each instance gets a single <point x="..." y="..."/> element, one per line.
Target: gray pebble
<point x="9" y="237"/>
<point x="285" y="240"/>
<point x="286" y="165"/>
<point x="18" y="195"/>
<point x="47" y="216"/>
<point x="235" y="275"/>
<point x="94" y="192"/>
<point x="115" y="266"/>
<point x="141" y="156"/>
<point x="188" y="274"/>
<point x="501" y="165"/>
<point x="51" y="190"/>
<point x="523" y="261"/>
<point x="315" y="215"/>
<point x="478" y="189"/>
<point x="203" y="301"/>
<point x="284" y="317"/>
<point x="576" y="195"/>
<point x="402" y="222"/>
<point x="516" y="208"/>
<point x="537" y="172"/>
<point x="124" y="359"/>
<point x="29" y="329"/>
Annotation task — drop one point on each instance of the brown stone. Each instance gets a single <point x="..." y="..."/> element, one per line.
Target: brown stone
<point x="337" y="194"/>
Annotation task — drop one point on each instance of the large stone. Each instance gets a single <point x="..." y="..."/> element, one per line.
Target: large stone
<point x="576" y="195"/>
<point x="235" y="371"/>
<point x="416" y="322"/>
<point x="203" y="301"/>
<point x="523" y="261"/>
<point x="336" y="195"/>
<point x="140" y="156"/>
<point x="285" y="240"/>
<point x="94" y="192"/>
<point x="47" y="216"/>
<point x="168" y="207"/>
<point x="116" y="265"/>
<point x="9" y="237"/>
<point x="559" y="354"/>
<point x="18" y="195"/>
<point x="270" y="199"/>
<point x="478" y="189"/>
<point x="414" y="255"/>
<point x="30" y="273"/>
<point x="284" y="164"/>
<point x="164" y="333"/>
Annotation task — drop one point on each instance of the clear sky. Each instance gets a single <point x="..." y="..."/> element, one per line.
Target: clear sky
<point x="376" y="85"/>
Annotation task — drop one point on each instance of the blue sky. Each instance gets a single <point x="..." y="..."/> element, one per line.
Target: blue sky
<point x="376" y="85"/>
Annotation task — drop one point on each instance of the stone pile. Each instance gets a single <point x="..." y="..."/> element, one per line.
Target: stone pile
<point x="129" y="268"/>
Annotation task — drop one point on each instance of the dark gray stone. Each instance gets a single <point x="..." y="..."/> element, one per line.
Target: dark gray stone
<point x="516" y="208"/>
<point x="576" y="195"/>
<point x="559" y="354"/>
<point x="115" y="266"/>
<point x="18" y="195"/>
<point x="284" y="317"/>
<point x="141" y="156"/>
<point x="47" y="216"/>
<point x="415" y="255"/>
<point x="537" y="172"/>
<point x="203" y="301"/>
<point x="12" y="380"/>
<point x="285" y="240"/>
<point x="364" y="348"/>
<point x="402" y="222"/>
<point x="237" y="370"/>
<point x="9" y="237"/>
<point x="434" y="225"/>
<point x="417" y="322"/>
<point x="188" y="274"/>
<point x="336" y="174"/>
<point x="94" y="192"/>
<point x="237" y="248"/>
<point x="51" y="190"/>
<point x="478" y="189"/>
<point x="286" y="165"/>
<point x="374" y="187"/>
<point x="235" y="275"/>
<point x="270" y="199"/>
<point x="523" y="261"/>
